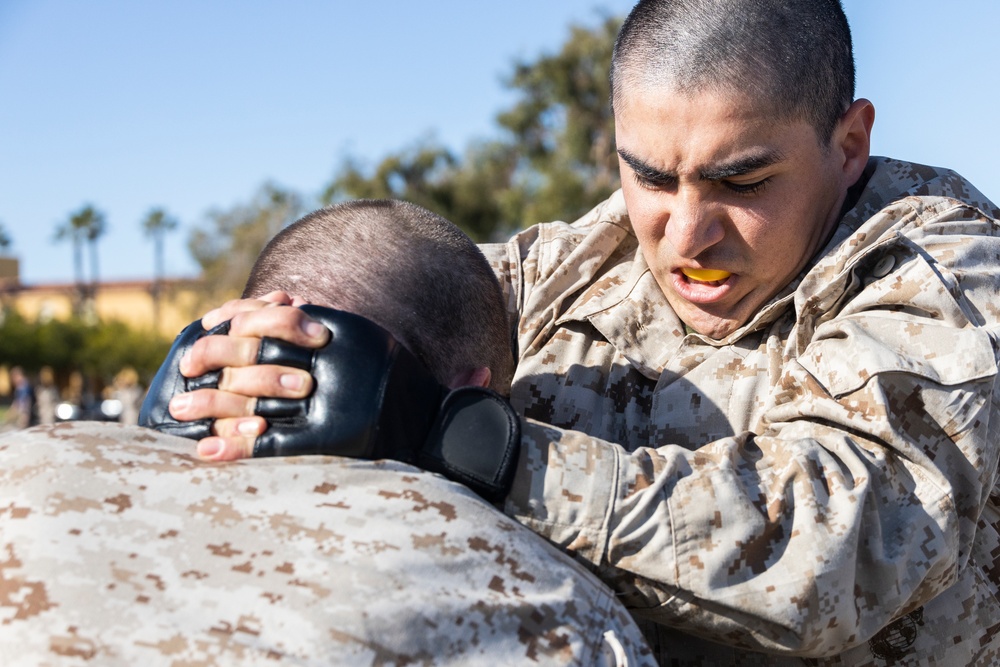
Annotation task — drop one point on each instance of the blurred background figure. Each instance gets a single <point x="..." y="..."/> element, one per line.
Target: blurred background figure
<point x="76" y="398"/>
<point x="22" y="409"/>
<point x="74" y="391"/>
<point x="127" y="390"/>
<point x="46" y="396"/>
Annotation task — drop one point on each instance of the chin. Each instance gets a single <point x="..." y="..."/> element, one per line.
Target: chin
<point x="712" y="327"/>
<point x="718" y="326"/>
<point x="720" y="331"/>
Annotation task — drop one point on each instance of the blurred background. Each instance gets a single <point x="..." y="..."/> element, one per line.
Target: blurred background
<point x="149" y="150"/>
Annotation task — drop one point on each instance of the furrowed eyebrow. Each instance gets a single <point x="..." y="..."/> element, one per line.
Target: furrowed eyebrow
<point x="741" y="166"/>
<point x="738" y="167"/>
<point x="645" y="171"/>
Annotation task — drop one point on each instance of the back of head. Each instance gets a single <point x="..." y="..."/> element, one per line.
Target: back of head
<point x="408" y="270"/>
<point x="792" y="57"/>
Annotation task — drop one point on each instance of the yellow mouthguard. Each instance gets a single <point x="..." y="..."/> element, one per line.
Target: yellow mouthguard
<point x="706" y="275"/>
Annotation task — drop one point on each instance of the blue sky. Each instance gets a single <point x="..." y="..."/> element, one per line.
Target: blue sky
<point x="191" y="105"/>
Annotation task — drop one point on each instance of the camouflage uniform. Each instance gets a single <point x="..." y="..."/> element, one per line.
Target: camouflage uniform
<point x="119" y="548"/>
<point x="820" y="483"/>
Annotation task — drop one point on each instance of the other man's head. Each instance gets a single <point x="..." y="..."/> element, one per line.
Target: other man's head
<point x="738" y="138"/>
<point x="408" y="270"/>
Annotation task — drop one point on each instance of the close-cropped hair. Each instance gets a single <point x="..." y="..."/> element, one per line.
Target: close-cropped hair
<point x="793" y="58"/>
<point x="403" y="267"/>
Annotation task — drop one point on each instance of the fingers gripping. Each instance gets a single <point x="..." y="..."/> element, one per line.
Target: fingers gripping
<point x="169" y="382"/>
<point x="187" y="406"/>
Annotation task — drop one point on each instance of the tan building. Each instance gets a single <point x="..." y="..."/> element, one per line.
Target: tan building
<point x="129" y="301"/>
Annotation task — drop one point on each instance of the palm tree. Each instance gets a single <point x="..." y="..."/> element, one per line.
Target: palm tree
<point x="156" y="225"/>
<point x="95" y="228"/>
<point x="71" y="230"/>
<point x="88" y="225"/>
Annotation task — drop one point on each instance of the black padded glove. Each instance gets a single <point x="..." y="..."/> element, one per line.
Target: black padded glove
<point x="372" y="399"/>
<point x="168" y="382"/>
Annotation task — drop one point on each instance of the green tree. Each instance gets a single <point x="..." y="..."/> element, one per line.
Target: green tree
<point x="563" y="125"/>
<point x="155" y="225"/>
<point x="471" y="190"/>
<point x="98" y="350"/>
<point x="228" y="245"/>
<point x="18" y="341"/>
<point x="555" y="159"/>
<point x="111" y="346"/>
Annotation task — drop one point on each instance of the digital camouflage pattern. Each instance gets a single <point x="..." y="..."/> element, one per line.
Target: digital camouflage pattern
<point x="820" y="484"/>
<point x="118" y="548"/>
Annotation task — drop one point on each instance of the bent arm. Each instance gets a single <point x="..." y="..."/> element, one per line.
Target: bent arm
<point x="852" y="499"/>
<point x="807" y="538"/>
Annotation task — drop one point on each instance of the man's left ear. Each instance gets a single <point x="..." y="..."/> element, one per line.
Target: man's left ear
<point x="853" y="136"/>
<point x="472" y="377"/>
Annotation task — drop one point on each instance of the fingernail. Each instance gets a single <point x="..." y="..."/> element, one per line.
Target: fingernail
<point x="180" y="403"/>
<point x="313" y="329"/>
<point x="209" y="447"/>
<point x="185" y="362"/>
<point x="248" y="427"/>
<point x="291" y="381"/>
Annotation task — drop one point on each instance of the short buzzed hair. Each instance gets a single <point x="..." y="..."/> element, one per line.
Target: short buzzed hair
<point x="792" y="57"/>
<point x="408" y="270"/>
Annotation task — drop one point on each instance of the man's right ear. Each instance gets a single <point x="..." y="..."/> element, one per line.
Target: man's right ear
<point x="853" y="138"/>
<point x="472" y="377"/>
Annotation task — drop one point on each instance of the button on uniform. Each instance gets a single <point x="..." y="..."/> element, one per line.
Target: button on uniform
<point x="884" y="266"/>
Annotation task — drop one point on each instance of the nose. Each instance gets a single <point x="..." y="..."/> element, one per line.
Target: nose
<point x="693" y="224"/>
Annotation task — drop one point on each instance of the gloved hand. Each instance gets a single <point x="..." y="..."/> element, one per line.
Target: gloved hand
<point x="372" y="399"/>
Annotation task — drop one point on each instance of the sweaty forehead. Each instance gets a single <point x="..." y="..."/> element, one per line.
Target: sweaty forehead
<point x="749" y="98"/>
<point x="669" y="129"/>
<point x="753" y="95"/>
